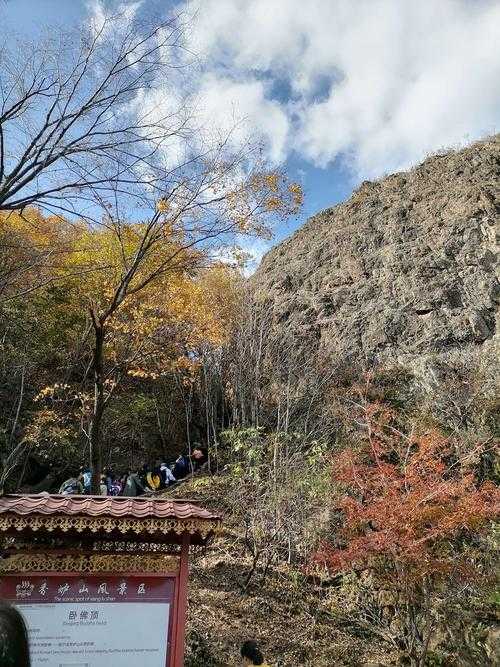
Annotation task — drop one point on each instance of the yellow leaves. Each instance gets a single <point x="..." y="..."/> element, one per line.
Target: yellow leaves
<point x="33" y="247"/>
<point x="272" y="181"/>
<point x="162" y="329"/>
<point x="297" y="193"/>
<point x="273" y="204"/>
<point x="157" y="307"/>
<point x="101" y="258"/>
<point x="51" y="391"/>
<point x="275" y="195"/>
<point x="35" y="229"/>
<point x="44" y="393"/>
<point x="46" y="417"/>
<point x="46" y="424"/>
<point x="138" y="373"/>
<point x="162" y="205"/>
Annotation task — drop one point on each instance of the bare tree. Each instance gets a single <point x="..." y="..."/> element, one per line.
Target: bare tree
<point x="80" y="136"/>
<point x="72" y="128"/>
<point x="223" y="194"/>
<point x="271" y="382"/>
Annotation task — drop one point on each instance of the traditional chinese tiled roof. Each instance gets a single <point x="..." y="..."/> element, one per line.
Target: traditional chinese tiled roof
<point x="154" y="517"/>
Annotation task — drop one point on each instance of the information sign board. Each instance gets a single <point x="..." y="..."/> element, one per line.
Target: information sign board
<point x="94" y="621"/>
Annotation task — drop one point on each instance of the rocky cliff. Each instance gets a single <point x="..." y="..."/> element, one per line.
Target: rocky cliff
<point x="405" y="267"/>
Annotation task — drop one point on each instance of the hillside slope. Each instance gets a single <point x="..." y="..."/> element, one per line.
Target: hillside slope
<point x="405" y="267"/>
<point x="289" y="615"/>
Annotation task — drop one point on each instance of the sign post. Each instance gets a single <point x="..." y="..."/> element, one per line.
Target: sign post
<point x="100" y="580"/>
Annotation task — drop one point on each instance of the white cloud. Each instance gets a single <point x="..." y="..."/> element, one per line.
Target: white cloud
<point x="217" y="103"/>
<point x="122" y="14"/>
<point x="255" y="249"/>
<point x="381" y="82"/>
<point x="249" y="249"/>
<point x="377" y="83"/>
<point x="241" y="109"/>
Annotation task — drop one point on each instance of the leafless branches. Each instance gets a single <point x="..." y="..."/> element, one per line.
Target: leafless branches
<point x="272" y="383"/>
<point x="71" y="126"/>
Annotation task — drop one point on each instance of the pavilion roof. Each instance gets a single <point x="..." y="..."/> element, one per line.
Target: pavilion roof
<point x="157" y="519"/>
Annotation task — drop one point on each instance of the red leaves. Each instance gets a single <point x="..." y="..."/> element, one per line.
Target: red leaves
<point x="404" y="499"/>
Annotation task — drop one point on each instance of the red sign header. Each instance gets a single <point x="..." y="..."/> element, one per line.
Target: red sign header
<point x="75" y="588"/>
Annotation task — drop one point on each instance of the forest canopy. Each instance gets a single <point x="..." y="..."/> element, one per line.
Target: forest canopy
<point x="153" y="344"/>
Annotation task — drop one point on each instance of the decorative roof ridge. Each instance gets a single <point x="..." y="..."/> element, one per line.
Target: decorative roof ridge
<point x="119" y="507"/>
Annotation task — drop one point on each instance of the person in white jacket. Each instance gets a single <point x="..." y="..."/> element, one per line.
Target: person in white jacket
<point x="167" y="474"/>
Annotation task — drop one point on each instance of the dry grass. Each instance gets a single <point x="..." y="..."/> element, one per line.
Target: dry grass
<point x="286" y="614"/>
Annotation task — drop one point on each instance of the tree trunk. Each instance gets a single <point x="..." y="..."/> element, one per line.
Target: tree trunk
<point x="98" y="411"/>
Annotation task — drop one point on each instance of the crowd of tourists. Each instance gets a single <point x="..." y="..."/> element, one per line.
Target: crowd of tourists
<point x="137" y="482"/>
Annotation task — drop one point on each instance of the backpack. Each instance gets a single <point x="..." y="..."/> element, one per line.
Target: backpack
<point x="70" y="488"/>
<point x="153" y="481"/>
<point x="181" y="468"/>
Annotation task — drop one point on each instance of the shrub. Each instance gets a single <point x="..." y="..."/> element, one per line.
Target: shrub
<point x="413" y="515"/>
<point x="278" y="488"/>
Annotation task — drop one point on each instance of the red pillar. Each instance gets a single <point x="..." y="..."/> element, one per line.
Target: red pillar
<point x="181" y="605"/>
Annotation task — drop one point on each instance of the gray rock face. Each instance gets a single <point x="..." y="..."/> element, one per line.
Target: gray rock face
<point x="405" y="267"/>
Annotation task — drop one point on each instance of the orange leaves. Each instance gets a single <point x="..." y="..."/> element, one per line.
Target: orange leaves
<point x="297" y="193"/>
<point x="404" y="498"/>
<point x="162" y="205"/>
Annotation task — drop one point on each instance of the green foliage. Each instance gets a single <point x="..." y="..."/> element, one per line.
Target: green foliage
<point x="279" y="485"/>
<point x="435" y="659"/>
<point x="244" y="451"/>
<point x="252" y="454"/>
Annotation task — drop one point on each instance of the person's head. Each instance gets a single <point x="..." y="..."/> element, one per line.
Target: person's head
<point x="199" y="453"/>
<point x="14" y="650"/>
<point x="251" y="654"/>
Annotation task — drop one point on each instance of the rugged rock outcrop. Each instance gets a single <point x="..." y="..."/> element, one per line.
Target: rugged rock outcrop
<point x="404" y="268"/>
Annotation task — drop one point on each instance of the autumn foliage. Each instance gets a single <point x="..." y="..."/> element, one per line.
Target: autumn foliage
<point x="402" y="498"/>
<point x="141" y="301"/>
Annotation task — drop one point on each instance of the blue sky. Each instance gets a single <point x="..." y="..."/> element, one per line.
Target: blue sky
<point x="338" y="90"/>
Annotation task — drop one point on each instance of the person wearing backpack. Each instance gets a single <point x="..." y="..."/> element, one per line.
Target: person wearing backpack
<point x="186" y="464"/>
<point x="87" y="480"/>
<point x="72" y="486"/>
<point x="103" y="486"/>
<point x="133" y="485"/>
<point x="153" y="479"/>
<point x="167" y="475"/>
